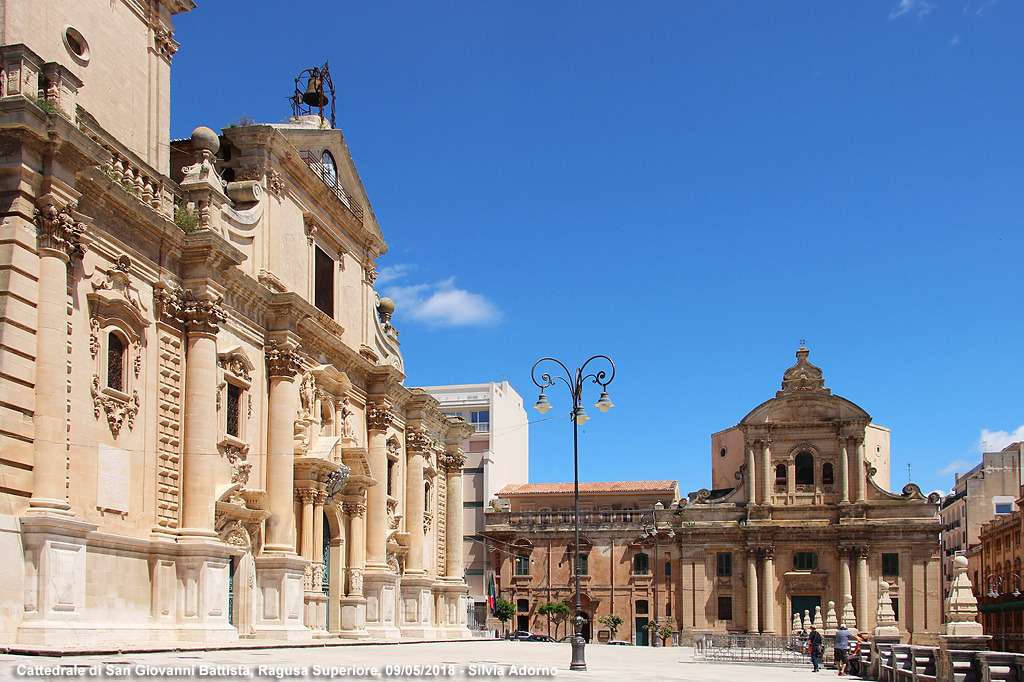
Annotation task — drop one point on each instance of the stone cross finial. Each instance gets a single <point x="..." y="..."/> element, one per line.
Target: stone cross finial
<point x="885" y="616"/>
<point x="961" y="607"/>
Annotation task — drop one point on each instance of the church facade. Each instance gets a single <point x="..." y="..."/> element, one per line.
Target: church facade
<point x="204" y="430"/>
<point x="799" y="525"/>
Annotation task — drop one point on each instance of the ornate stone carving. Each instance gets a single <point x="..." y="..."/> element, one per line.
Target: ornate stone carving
<point x="58" y="229"/>
<point x="164" y="43"/>
<point x="803" y="377"/>
<point x="281" y="361"/>
<point x="137" y="362"/>
<point x="119" y="411"/>
<point x="378" y="417"/>
<point x="394" y="564"/>
<point x="307" y="395"/>
<point x="347" y="414"/>
<point x="417" y="441"/>
<point x="355" y="582"/>
<point x="307" y="577"/>
<point x="240" y="467"/>
<point x="275" y="183"/>
<point x="236" y="366"/>
<point x="371" y="273"/>
<point x="94" y="337"/>
<point x="118" y="282"/>
<point x="245" y="173"/>
<point x="427" y="518"/>
<point x="170" y="303"/>
<point x="318" y="577"/>
<point x="453" y="461"/>
<point x="336" y="483"/>
<point x="202" y="316"/>
<point x="769" y="553"/>
<point x="354" y="510"/>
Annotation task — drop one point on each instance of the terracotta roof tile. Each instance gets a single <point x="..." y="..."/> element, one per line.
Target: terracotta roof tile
<point x="588" y="488"/>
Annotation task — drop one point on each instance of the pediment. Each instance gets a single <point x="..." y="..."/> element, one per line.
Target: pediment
<point x="805" y="408"/>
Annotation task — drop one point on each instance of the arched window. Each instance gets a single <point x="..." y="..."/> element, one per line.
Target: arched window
<point x="827" y="476"/>
<point x="804" y="474"/>
<point x="330" y="168"/>
<point x="640" y="564"/>
<point x="115" y="362"/>
<point x="780" y="475"/>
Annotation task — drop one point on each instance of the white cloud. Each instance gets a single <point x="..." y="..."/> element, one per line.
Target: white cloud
<point x="438" y="304"/>
<point x="994" y="441"/>
<point x="918" y="7"/>
<point x="393" y="272"/>
<point x="956" y="466"/>
<point x="955" y="40"/>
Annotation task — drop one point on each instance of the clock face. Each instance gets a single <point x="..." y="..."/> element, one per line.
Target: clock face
<point x="330" y="170"/>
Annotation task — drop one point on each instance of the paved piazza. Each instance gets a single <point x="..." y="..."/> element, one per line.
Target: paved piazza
<point x="485" y="659"/>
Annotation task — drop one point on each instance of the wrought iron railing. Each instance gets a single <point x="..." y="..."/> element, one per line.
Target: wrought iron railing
<point x="759" y="649"/>
<point x="330" y="178"/>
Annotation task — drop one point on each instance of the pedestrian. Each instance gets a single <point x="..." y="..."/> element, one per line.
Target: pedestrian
<point x="814" y="646"/>
<point x="854" y="660"/>
<point x="842" y="646"/>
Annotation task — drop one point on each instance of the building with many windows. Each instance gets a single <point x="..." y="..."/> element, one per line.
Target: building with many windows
<point x="986" y="492"/>
<point x="204" y="432"/>
<point x="497" y="454"/>
<point x="798" y="523"/>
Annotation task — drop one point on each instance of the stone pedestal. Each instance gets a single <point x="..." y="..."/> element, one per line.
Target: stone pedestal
<point x="958" y="656"/>
<point x="353" y="618"/>
<point x="451" y="617"/>
<point x="881" y="648"/>
<point x="380" y="589"/>
<point x="417" y="608"/>
<point x="279" y="581"/>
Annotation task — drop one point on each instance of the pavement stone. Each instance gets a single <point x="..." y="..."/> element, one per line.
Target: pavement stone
<point x="465" y="660"/>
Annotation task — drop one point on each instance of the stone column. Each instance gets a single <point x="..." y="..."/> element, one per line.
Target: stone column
<point x="378" y="420"/>
<point x="453" y="539"/>
<point x="306" y="496"/>
<point x="859" y="475"/>
<point x="751" y="475"/>
<point x="59" y="234"/>
<point x="202" y="318"/>
<point x="768" y="591"/>
<point x="844" y="470"/>
<point x="752" y="590"/>
<point x="862" y="587"/>
<point x="845" y="586"/>
<point x="319" y="499"/>
<point x="282" y="366"/>
<point x="416" y="444"/>
<point x="766" y="469"/>
<point x="356" y="547"/>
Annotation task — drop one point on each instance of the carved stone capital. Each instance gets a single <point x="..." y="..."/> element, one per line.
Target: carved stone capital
<point x="354" y="510"/>
<point x="58" y="229"/>
<point x="417" y="441"/>
<point x="281" y="361"/>
<point x="306" y="495"/>
<point x="453" y="461"/>
<point x="378" y="417"/>
<point x="202" y="316"/>
<point x="769" y="553"/>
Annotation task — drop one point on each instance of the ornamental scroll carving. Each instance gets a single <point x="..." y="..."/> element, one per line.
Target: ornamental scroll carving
<point x="354" y="510"/>
<point x="58" y="229"/>
<point x="164" y="43"/>
<point x="240" y="467"/>
<point x="281" y="361"/>
<point x="417" y="441"/>
<point x="202" y="316"/>
<point x="378" y="417"/>
<point x="119" y="411"/>
<point x="453" y="461"/>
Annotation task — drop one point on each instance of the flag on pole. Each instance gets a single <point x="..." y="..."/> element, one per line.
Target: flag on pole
<point x="492" y="602"/>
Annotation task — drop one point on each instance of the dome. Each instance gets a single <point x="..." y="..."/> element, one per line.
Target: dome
<point x="204" y="139"/>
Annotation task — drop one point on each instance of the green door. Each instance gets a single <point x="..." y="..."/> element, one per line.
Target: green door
<point x="642" y="634"/>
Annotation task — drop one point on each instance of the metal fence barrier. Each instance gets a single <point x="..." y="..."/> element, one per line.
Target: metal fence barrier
<point x="760" y="649"/>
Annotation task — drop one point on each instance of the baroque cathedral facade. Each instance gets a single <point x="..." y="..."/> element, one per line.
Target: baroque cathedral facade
<point x="204" y="431"/>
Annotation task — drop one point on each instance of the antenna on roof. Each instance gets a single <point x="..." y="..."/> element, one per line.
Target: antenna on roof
<point x="803" y="342"/>
<point x="909" y="479"/>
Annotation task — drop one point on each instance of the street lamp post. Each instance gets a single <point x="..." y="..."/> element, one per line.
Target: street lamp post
<point x="574" y="381"/>
<point x="995" y="590"/>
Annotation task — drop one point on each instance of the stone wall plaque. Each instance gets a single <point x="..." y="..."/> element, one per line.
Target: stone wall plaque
<point x="113" y="478"/>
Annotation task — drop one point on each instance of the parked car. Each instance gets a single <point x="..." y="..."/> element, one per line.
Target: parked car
<point x="567" y="638"/>
<point x="540" y="638"/>
<point x="519" y="635"/>
<point x="620" y="642"/>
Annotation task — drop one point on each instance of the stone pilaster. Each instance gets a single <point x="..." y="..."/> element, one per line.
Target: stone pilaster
<point x="417" y="444"/>
<point x="378" y="421"/>
<point x="861" y="553"/>
<point x="353" y="604"/>
<point x="766" y="468"/>
<point x="844" y="470"/>
<point x="453" y="463"/>
<point x="860" y="475"/>
<point x="751" y="475"/>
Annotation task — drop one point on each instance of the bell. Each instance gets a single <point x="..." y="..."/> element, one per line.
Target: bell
<point x="314" y="95"/>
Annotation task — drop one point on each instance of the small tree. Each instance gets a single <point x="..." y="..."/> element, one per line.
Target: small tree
<point x="612" y="621"/>
<point x="666" y="630"/>
<point x="503" y="611"/>
<point x="556" y="610"/>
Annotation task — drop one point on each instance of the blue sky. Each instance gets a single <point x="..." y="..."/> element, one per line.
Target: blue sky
<point x="688" y="187"/>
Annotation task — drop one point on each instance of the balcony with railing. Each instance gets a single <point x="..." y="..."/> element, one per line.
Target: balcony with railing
<point x="330" y="179"/>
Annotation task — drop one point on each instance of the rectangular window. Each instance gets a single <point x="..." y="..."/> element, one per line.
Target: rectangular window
<point x="1003" y="508"/>
<point x="481" y="420"/>
<point x="725" y="566"/>
<point x="891" y="563"/>
<point x="896" y="607"/>
<point x="234" y="405"/>
<point x="668" y="569"/>
<point x="641" y="607"/>
<point x="584" y="564"/>
<point x="323" y="283"/>
<point x="640" y="565"/>
<point x="522" y="564"/>
<point x="725" y="608"/>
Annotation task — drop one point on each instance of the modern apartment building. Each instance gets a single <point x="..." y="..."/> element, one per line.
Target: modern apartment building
<point x="497" y="454"/>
